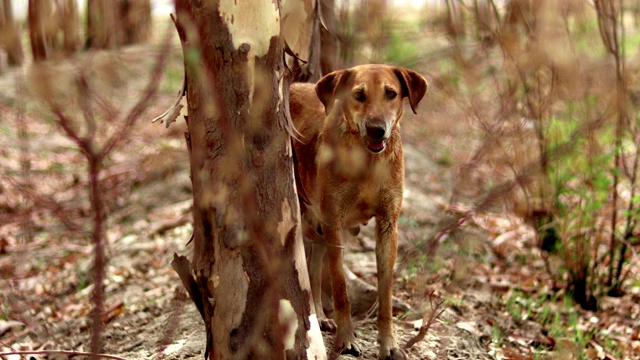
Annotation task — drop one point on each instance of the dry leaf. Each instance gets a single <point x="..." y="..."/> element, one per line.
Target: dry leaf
<point x="9" y="325"/>
<point x="168" y="117"/>
<point x="470" y="326"/>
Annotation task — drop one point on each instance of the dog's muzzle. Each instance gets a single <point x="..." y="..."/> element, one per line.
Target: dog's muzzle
<point x="376" y="136"/>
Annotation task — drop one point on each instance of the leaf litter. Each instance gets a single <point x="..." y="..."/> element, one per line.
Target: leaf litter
<point x="485" y="275"/>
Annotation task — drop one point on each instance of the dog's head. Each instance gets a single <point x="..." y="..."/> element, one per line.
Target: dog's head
<point x="370" y="97"/>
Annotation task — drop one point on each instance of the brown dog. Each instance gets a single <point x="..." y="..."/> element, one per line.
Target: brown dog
<point x="349" y="169"/>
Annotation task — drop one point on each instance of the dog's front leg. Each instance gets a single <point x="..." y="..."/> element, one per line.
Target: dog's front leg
<point x="345" y="337"/>
<point x="386" y="251"/>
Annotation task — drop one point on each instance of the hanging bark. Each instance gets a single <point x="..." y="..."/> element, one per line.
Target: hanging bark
<point x="304" y="29"/>
<point x="10" y="35"/>
<point x="249" y="275"/>
<point x="300" y="30"/>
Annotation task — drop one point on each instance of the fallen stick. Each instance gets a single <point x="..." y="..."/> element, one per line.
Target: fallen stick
<point x="60" y="352"/>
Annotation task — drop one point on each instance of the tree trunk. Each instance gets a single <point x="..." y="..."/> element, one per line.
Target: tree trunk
<point x="102" y="24"/>
<point x="136" y="15"/>
<point x="69" y="22"/>
<point x="10" y="38"/>
<point x="39" y="14"/>
<point x="251" y="280"/>
<point x="3" y="31"/>
<point x="328" y="38"/>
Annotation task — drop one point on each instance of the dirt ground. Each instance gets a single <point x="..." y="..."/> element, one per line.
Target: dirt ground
<point x="45" y="284"/>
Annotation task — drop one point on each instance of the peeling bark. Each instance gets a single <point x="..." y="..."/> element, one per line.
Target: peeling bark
<point x="309" y="27"/>
<point x="248" y="260"/>
<point x="297" y="28"/>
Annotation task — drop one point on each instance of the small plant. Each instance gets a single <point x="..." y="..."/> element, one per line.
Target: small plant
<point x="564" y="324"/>
<point x="453" y="301"/>
<point x="496" y="335"/>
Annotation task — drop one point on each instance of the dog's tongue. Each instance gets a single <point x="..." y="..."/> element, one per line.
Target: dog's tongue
<point x="376" y="145"/>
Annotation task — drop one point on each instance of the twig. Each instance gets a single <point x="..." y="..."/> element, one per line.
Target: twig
<point x="433" y="316"/>
<point x="183" y="220"/>
<point x="85" y="106"/>
<point x="12" y="339"/>
<point x="40" y="201"/>
<point x="371" y="310"/>
<point x="133" y="345"/>
<point x="112" y="311"/>
<point x="60" y="352"/>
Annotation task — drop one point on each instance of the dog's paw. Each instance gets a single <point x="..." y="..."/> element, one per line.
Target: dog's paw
<point x="347" y="345"/>
<point x="327" y="325"/>
<point x="392" y="354"/>
<point x="349" y="348"/>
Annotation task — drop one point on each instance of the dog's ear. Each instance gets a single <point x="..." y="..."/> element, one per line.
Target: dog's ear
<point x="414" y="86"/>
<point x="329" y="87"/>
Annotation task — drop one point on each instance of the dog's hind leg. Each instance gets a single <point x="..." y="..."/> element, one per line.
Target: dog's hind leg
<point x="317" y="251"/>
<point x="315" y="276"/>
<point x="345" y="337"/>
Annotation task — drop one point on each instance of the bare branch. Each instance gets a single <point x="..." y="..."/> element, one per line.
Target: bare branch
<point x="143" y="103"/>
<point x="429" y="319"/>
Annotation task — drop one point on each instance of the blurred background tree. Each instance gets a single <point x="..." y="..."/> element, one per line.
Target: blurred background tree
<point x="10" y="35"/>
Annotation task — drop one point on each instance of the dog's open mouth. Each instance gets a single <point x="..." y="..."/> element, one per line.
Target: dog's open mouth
<point x="376" y="146"/>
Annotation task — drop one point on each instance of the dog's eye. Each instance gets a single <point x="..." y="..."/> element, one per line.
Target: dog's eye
<point x="391" y="94"/>
<point x="359" y="96"/>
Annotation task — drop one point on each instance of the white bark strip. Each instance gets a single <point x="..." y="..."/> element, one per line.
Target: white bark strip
<point x="289" y="321"/>
<point x="253" y="23"/>
<point x="316" y="348"/>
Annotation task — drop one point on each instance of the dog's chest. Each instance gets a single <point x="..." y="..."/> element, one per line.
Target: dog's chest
<point x="350" y="183"/>
<point x="360" y="210"/>
<point x="361" y="200"/>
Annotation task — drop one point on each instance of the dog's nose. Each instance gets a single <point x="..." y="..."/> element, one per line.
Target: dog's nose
<point x="376" y="130"/>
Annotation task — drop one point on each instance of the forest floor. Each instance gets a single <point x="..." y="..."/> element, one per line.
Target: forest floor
<point x="496" y="295"/>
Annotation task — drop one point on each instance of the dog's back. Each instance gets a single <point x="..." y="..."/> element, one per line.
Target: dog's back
<point x="304" y="104"/>
<point x="307" y="114"/>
